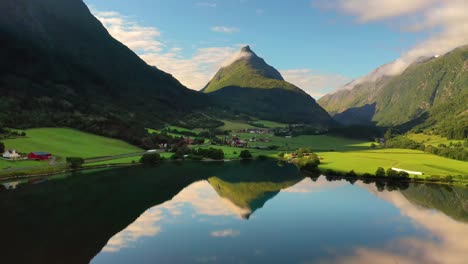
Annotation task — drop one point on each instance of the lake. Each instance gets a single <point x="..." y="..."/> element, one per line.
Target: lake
<point x="236" y="212"/>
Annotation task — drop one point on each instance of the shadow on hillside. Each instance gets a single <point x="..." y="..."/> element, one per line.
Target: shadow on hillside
<point x="357" y="116"/>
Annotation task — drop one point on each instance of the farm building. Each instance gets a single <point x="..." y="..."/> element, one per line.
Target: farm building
<point x="11" y="154"/>
<point x="188" y="141"/>
<point x="237" y="142"/>
<point x="39" y="155"/>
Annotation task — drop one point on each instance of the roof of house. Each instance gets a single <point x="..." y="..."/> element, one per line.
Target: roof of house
<point x="40" y="153"/>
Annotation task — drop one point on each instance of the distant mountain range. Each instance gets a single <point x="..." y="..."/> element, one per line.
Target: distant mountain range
<point x="249" y="85"/>
<point x="432" y="93"/>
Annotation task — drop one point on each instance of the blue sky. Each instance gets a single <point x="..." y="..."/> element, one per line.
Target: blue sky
<point x="317" y="45"/>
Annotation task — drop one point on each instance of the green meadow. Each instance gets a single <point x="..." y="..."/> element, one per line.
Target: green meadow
<point x="343" y="155"/>
<point x="433" y="140"/>
<point x="270" y="124"/>
<point x="237" y="125"/>
<point x="338" y="154"/>
<point x="317" y="142"/>
<point x="65" y="142"/>
<point x="234" y="125"/>
<point x="126" y="160"/>
<point x="367" y="161"/>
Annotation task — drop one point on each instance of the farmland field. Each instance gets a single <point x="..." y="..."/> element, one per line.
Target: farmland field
<point x="233" y="125"/>
<point x="317" y="143"/>
<point x="233" y="152"/>
<point x="65" y="142"/>
<point x="270" y="124"/>
<point x="341" y="154"/>
<point x="367" y="161"/>
<point x="236" y="125"/>
<point x="126" y="160"/>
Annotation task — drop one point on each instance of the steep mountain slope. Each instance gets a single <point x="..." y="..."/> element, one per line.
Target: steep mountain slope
<point x="249" y="85"/>
<point x="60" y="67"/>
<point x="431" y="93"/>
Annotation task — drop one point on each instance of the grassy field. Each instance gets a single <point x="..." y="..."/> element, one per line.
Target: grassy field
<point x="234" y="126"/>
<point x="270" y="124"/>
<point x="341" y="154"/>
<point x="65" y="142"/>
<point x="433" y="140"/>
<point x="233" y="152"/>
<point x="317" y="143"/>
<point x="338" y="154"/>
<point x="181" y="129"/>
<point x="125" y="160"/>
<point x="369" y="160"/>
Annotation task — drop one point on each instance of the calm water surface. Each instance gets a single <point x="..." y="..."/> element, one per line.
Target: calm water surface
<point x="255" y="212"/>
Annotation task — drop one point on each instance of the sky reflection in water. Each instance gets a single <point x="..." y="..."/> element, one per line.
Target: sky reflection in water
<point x="308" y="222"/>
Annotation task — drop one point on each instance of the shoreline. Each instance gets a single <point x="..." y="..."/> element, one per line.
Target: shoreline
<point x="317" y="173"/>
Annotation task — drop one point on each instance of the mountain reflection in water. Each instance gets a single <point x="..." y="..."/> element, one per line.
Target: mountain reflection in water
<point x="253" y="212"/>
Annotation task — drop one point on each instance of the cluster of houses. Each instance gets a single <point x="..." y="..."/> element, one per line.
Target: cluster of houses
<point x="12" y="154"/>
<point x="236" y="142"/>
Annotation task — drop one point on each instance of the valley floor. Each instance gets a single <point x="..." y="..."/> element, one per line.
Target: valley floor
<point x="337" y="154"/>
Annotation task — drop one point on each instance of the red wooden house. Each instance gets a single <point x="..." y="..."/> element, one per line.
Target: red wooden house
<point x="39" y="155"/>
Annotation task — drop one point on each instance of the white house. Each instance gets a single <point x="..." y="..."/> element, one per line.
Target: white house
<point x="409" y="172"/>
<point x="11" y="154"/>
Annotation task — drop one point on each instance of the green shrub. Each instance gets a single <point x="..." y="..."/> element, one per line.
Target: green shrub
<point x="351" y="173"/>
<point x="75" y="162"/>
<point x="380" y="172"/>
<point x="212" y="153"/>
<point x="195" y="157"/>
<point x="245" y="154"/>
<point x="403" y="175"/>
<point x="392" y="174"/>
<point x="150" y="159"/>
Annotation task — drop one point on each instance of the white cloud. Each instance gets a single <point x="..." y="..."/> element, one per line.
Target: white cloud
<point x="148" y="42"/>
<point x="225" y="233"/>
<point x="138" y="38"/>
<point x="144" y="226"/>
<point x="199" y="196"/>
<point x="194" y="72"/>
<point x="223" y="29"/>
<point x="446" y="21"/>
<point x="314" y="83"/>
<point x="382" y="9"/>
<point x="308" y="186"/>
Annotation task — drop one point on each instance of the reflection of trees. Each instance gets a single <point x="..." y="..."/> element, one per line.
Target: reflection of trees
<point x="382" y="184"/>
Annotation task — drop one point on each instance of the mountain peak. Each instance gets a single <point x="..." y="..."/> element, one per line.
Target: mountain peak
<point x="246" y="49"/>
